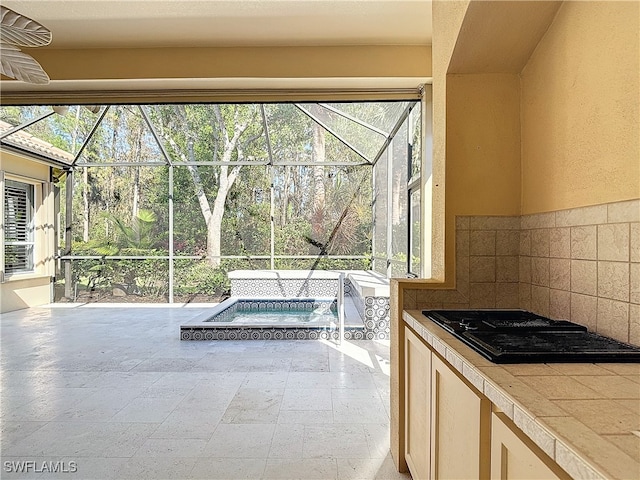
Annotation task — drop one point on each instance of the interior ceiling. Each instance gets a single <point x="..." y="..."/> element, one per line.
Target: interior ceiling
<point x="210" y="23"/>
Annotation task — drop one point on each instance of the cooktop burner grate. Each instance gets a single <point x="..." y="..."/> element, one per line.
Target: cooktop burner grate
<point x="518" y="336"/>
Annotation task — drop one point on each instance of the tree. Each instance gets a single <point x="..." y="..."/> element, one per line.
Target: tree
<point x="222" y="133"/>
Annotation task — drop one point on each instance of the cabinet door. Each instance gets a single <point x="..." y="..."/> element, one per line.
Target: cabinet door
<point x="417" y="406"/>
<point x="513" y="456"/>
<point x="461" y="426"/>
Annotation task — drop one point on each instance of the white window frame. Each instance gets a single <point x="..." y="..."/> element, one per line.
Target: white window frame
<point x="33" y="189"/>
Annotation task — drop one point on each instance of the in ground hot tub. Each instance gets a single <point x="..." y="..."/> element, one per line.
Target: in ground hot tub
<point x="272" y="319"/>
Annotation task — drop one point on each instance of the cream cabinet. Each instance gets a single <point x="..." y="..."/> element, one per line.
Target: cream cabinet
<point x="515" y="457"/>
<point x="460" y="428"/>
<point x="417" y="406"/>
<point x="447" y="421"/>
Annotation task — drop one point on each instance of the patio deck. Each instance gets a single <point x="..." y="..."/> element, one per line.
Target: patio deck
<point x="113" y="389"/>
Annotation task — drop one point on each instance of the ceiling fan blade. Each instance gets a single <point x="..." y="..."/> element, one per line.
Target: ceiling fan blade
<point x="22" y="31"/>
<point x="19" y="65"/>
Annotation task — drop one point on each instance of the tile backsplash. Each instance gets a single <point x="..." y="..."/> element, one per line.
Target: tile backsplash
<point x="581" y="264"/>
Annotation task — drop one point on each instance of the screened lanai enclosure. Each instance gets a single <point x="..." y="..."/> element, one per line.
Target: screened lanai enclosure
<point x="159" y="202"/>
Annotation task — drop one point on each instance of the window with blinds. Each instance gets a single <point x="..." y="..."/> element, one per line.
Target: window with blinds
<point x="18" y="227"/>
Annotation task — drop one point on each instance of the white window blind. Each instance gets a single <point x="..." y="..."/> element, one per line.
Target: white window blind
<point x="18" y="227"/>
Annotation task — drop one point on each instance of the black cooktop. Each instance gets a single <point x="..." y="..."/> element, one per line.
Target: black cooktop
<point x="519" y="336"/>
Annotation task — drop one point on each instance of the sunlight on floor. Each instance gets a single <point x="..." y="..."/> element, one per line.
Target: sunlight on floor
<point x="361" y="355"/>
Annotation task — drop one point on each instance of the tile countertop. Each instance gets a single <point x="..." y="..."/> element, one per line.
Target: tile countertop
<point x="585" y="416"/>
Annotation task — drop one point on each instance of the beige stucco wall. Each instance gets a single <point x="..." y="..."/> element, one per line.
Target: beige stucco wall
<point x="483" y="144"/>
<point x="580" y="102"/>
<point x="556" y="132"/>
<point x="482" y="150"/>
<point x="31" y="289"/>
<point x="217" y="74"/>
<point x="447" y="21"/>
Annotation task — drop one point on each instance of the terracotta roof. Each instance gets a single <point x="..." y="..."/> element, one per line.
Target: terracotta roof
<point x="27" y="142"/>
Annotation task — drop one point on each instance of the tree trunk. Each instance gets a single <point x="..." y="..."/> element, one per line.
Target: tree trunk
<point x="213" y="217"/>
<point x="318" y="156"/>
<point x="136" y="193"/>
<point x="85" y="205"/>
<point x="284" y="196"/>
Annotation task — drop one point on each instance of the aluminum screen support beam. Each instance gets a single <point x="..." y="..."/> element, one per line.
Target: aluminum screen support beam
<point x="326" y="127"/>
<point x="341" y="308"/>
<point x="171" y="262"/>
<point x="143" y="111"/>
<point x="272" y="205"/>
<point x="26" y="124"/>
<point x="68" y="235"/>
<point x="93" y="130"/>
<point x="399" y="123"/>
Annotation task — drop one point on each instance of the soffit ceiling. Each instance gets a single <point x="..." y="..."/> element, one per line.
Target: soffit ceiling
<point x="188" y="23"/>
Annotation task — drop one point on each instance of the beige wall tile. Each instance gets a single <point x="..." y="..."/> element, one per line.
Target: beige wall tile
<point x="494" y="223"/>
<point x="482" y="295"/>
<point x="462" y="275"/>
<point x="560" y="273"/>
<point x="507" y="269"/>
<point x="422" y="304"/>
<point x="462" y="243"/>
<point x="540" y="242"/>
<point x="624" y="211"/>
<point x="540" y="271"/>
<point x="634" y="283"/>
<point x="462" y="223"/>
<point x="593" y="215"/>
<point x="584" y="310"/>
<point x="524" y="269"/>
<point x="584" y="277"/>
<point x="482" y="242"/>
<point x="560" y="242"/>
<point x="482" y="269"/>
<point x="560" y="304"/>
<point x="540" y="300"/>
<point x="584" y="242"/>
<point x="455" y="306"/>
<point x="538" y="220"/>
<point x="409" y="299"/>
<point x="507" y="295"/>
<point x="524" y="295"/>
<point x="525" y="242"/>
<point x="613" y="280"/>
<point x="634" y="242"/>
<point x="613" y="319"/>
<point x="634" y="324"/>
<point x="508" y="242"/>
<point x="613" y="242"/>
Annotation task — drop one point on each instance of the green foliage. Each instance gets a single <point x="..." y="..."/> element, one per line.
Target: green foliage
<point x="104" y="197"/>
<point x="198" y="277"/>
<point x="138" y="235"/>
<point x="193" y="277"/>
